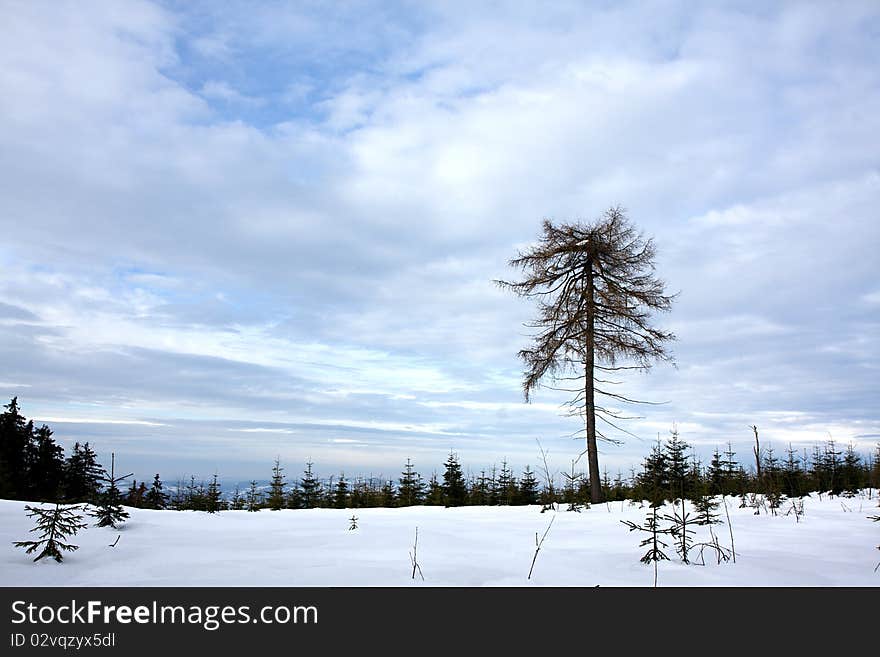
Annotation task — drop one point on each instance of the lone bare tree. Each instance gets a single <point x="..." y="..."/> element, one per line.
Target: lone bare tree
<point x="596" y="293"/>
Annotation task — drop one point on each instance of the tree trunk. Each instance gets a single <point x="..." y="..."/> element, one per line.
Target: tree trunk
<point x="757" y="451"/>
<point x="589" y="394"/>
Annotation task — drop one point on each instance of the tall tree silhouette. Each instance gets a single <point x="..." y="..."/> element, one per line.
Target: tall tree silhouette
<point x="82" y="474"/>
<point x="596" y="292"/>
<point x="15" y="448"/>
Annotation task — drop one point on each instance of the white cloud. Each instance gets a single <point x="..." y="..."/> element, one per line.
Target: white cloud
<point x="348" y="242"/>
<point x="220" y="90"/>
<point x="97" y="420"/>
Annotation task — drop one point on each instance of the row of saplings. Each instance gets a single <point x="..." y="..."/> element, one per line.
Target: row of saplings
<point x="678" y="527"/>
<point x="658" y="480"/>
<point x="56" y="524"/>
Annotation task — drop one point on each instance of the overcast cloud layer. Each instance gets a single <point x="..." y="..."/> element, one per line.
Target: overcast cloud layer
<point x="235" y="231"/>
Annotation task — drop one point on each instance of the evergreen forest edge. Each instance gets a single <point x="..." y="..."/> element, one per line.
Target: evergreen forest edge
<point x="33" y="467"/>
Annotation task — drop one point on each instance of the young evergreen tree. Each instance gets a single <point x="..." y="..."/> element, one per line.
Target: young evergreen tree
<point x="654" y="543"/>
<point x="584" y="490"/>
<point x="481" y="490"/>
<point x="771" y="480"/>
<point x="680" y="529"/>
<point x="434" y="495"/>
<point x="237" y="502"/>
<point x="177" y="498"/>
<point x="675" y="451"/>
<point x="130" y="497"/>
<point x="792" y="474"/>
<point x="214" y="496"/>
<point x="505" y="487"/>
<point x="363" y="493"/>
<point x="705" y="504"/>
<point x="493" y="486"/>
<point x="360" y="494"/>
<point x="136" y="494"/>
<point x="732" y="470"/>
<point x="618" y="489"/>
<point x="15" y="446"/>
<point x="46" y="471"/>
<point x="55" y="526"/>
<point x="571" y="488"/>
<point x="388" y="495"/>
<point x="654" y="478"/>
<point x="294" y="497"/>
<point x="818" y="478"/>
<point x="411" y="488"/>
<point x="715" y="475"/>
<point x="340" y="500"/>
<point x="82" y="475"/>
<point x="528" y="488"/>
<point x="196" y="495"/>
<point x="852" y="474"/>
<point x="454" y="489"/>
<point x="310" y="488"/>
<point x="253" y="498"/>
<point x="156" y="498"/>
<point x="830" y="468"/>
<point x="277" y="485"/>
<point x="702" y="487"/>
<point x="109" y="512"/>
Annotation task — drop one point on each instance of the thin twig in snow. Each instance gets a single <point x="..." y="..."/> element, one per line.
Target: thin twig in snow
<point x="730" y="528"/>
<point x="413" y="556"/>
<point x="538" y="545"/>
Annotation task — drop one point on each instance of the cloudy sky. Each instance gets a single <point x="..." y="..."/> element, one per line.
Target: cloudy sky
<point x="233" y="231"/>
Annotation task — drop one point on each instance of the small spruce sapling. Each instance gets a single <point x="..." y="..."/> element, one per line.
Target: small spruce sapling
<point x="55" y="525"/>
<point x="237" y="502"/>
<point x="354" y="523"/>
<point x="655" y="545"/>
<point x="156" y="497"/>
<point x="680" y="522"/>
<point x="276" y="487"/>
<point x="705" y="505"/>
<point x="253" y="498"/>
<point x="110" y="512"/>
<point x="310" y="487"/>
<point x="572" y="485"/>
<point x="549" y="493"/>
<point x="214" y="497"/>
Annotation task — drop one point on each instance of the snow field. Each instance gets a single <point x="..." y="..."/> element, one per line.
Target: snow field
<point x="834" y="544"/>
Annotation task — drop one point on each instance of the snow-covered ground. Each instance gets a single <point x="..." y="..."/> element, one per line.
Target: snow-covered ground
<point x="834" y="544"/>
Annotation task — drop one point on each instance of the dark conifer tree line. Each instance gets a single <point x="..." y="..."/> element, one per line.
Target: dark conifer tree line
<point x="33" y="468"/>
